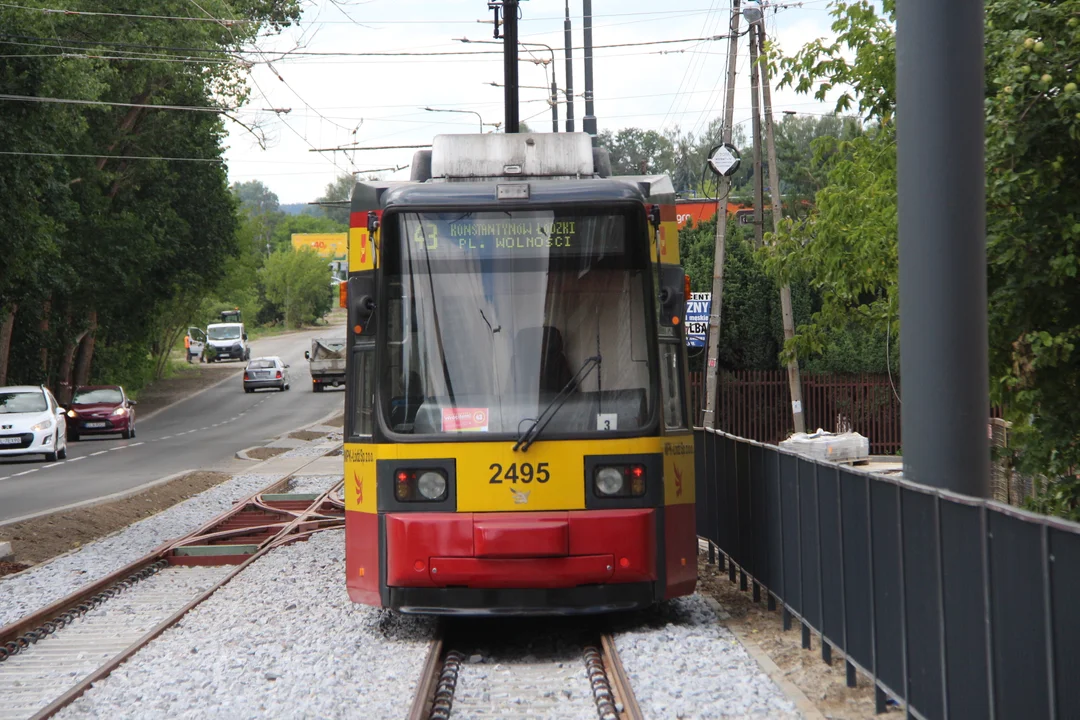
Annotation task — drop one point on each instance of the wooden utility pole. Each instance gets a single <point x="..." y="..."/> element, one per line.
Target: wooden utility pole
<point x="723" y="189"/>
<point x="794" y="379"/>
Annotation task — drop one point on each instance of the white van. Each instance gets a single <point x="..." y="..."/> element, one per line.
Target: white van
<point x="227" y="341"/>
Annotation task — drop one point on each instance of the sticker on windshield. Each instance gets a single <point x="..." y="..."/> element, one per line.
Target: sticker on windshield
<point x="607" y="421"/>
<point x="465" y="419"/>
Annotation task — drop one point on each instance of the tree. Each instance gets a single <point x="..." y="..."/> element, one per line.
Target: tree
<point x="1033" y="124"/>
<point x="298" y="282"/>
<point x="339" y="191"/>
<point x="255" y="197"/>
<point x="639" y="152"/>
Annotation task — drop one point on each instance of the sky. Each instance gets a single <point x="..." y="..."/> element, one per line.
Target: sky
<point x="335" y="100"/>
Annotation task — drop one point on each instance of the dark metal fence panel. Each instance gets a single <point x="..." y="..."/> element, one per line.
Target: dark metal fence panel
<point x="808" y="542"/>
<point x="858" y="573"/>
<point x="964" y="583"/>
<point x="922" y="602"/>
<point x="1064" y="561"/>
<point x="759" y="523"/>
<point x="956" y="606"/>
<point x="888" y="586"/>
<point x="791" y="592"/>
<point x="774" y="578"/>
<point x="1018" y="618"/>
<point x="832" y="558"/>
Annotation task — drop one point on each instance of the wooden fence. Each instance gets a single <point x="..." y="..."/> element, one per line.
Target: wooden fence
<point x="756" y="404"/>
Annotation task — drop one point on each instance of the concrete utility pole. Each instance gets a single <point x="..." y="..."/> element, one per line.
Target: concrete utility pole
<point x="723" y="189"/>
<point x="776" y="200"/>
<point x="942" y="207"/>
<point x="755" y="122"/>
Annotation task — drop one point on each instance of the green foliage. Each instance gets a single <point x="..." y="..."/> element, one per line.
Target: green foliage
<point x="116" y="254"/>
<point x="339" y="191"/>
<point x="1032" y="54"/>
<point x="298" y="283"/>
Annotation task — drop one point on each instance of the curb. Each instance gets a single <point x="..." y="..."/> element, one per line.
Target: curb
<point x="802" y="703"/>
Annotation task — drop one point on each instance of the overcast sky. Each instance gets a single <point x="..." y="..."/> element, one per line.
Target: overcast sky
<point x="340" y="100"/>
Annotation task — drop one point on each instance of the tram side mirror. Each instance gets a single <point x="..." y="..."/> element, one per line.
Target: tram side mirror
<point x="672" y="295"/>
<point x="362" y="304"/>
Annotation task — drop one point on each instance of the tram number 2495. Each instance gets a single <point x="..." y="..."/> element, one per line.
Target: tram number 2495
<point x="525" y="472"/>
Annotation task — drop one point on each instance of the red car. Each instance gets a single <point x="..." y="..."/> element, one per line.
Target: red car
<point x="99" y="409"/>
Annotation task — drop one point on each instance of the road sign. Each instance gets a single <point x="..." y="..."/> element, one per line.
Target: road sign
<point x="697" y="319"/>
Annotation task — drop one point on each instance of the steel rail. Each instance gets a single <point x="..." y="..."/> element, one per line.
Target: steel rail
<point x="281" y="538"/>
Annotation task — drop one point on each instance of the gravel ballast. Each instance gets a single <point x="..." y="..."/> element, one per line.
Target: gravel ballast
<point x="312" y="483"/>
<point x="684" y="664"/>
<point x="29" y="591"/>
<point x="281" y="640"/>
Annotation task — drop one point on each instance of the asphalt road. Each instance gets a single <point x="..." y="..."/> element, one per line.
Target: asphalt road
<point x="202" y="432"/>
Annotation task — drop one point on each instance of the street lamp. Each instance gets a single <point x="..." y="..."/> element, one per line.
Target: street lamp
<point x="472" y="112"/>
<point x="554" y="102"/>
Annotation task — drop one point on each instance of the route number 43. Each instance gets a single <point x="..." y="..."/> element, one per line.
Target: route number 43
<point x="525" y="472"/>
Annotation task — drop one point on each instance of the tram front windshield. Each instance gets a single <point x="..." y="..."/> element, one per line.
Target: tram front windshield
<point x="491" y="315"/>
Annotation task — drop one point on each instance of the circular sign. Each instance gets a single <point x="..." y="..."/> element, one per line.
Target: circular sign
<point x="724" y="160"/>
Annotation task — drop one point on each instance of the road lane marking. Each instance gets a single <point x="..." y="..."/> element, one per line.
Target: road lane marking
<point x="205" y="428"/>
<point x="122" y="447"/>
<point x="25" y="472"/>
<point x="136" y="444"/>
<point x="167" y="437"/>
<point x="99" y="452"/>
<point x="45" y="467"/>
<point x="81" y="457"/>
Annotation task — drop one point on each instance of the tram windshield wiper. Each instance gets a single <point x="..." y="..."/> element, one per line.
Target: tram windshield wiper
<point x="527" y="438"/>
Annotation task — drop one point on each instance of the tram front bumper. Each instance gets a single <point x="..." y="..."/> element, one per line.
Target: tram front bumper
<point x="571" y="559"/>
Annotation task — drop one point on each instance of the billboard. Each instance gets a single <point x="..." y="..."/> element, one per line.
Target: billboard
<point x="330" y="245"/>
<point x="697" y="318"/>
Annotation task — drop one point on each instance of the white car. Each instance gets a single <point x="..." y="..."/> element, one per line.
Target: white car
<point x="32" y="423"/>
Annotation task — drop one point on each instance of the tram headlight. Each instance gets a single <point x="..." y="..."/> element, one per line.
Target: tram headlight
<point x="432" y="485"/>
<point x="609" y="481"/>
<point x="620" y="480"/>
<point x="420" y="485"/>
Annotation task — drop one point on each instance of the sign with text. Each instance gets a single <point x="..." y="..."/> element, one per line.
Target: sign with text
<point x="697" y="318"/>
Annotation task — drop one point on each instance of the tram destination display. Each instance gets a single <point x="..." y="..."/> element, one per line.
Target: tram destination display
<point x="514" y="234"/>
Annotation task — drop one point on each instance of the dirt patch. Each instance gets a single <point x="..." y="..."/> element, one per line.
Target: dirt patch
<point x="42" y="538"/>
<point x="7" y="568"/>
<point x="188" y="380"/>
<point x="264" y="453"/>
<point x="306" y="435"/>
<point x="824" y="685"/>
<point x="338" y="421"/>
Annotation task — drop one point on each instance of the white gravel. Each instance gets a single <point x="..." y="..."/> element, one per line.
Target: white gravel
<point x="282" y="640"/>
<point x="312" y="483"/>
<point x="29" y="591"/>
<point x="307" y="451"/>
<point x="684" y="664"/>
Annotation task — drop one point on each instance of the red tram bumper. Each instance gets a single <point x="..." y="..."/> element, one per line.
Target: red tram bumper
<point x="542" y="562"/>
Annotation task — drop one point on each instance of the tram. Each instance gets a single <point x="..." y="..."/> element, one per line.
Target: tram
<point x="517" y="436"/>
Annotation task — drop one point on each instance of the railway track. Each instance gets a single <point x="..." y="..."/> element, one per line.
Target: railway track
<point x="51" y="657"/>
<point x="482" y="669"/>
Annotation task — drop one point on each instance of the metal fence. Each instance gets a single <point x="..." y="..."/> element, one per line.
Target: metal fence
<point x="956" y="607"/>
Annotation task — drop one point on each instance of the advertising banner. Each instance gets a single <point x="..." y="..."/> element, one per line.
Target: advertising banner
<point x="697" y="318"/>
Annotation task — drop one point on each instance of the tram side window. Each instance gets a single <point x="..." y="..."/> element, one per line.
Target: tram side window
<point x="671" y="382"/>
<point x="363" y="387"/>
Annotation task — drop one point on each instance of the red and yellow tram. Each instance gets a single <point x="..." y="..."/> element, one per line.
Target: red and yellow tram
<point x="517" y="426"/>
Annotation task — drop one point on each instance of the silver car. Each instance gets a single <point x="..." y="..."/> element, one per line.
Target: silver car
<point x="266" y="372"/>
